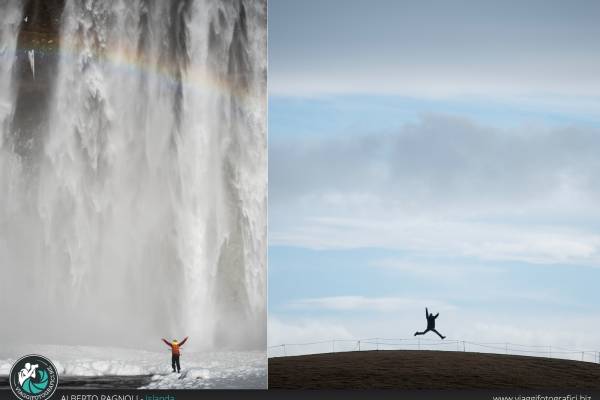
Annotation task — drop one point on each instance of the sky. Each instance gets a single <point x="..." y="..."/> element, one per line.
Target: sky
<point x="434" y="154"/>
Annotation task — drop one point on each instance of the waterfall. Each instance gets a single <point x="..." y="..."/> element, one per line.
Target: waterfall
<point x="31" y="56"/>
<point x="10" y="18"/>
<point x="136" y="207"/>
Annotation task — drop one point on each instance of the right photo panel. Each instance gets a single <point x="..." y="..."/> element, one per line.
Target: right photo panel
<point x="434" y="183"/>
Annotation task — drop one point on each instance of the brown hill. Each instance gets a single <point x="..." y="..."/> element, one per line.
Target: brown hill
<point x="407" y="369"/>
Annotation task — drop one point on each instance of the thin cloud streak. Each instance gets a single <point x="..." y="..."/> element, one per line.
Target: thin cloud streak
<point x="361" y="303"/>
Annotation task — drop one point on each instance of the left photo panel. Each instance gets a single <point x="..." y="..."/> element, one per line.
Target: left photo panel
<point x="133" y="205"/>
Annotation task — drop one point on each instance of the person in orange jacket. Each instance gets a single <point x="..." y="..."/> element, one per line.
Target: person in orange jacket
<point x="175" y="345"/>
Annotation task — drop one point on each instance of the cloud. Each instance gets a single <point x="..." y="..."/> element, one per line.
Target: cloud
<point x="442" y="159"/>
<point x="436" y="270"/>
<point x="444" y="237"/>
<point x="434" y="49"/>
<point x="303" y="331"/>
<point x="445" y="185"/>
<point x="361" y="303"/>
<point x="521" y="84"/>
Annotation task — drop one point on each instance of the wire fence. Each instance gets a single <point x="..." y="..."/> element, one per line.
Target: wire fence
<point x="369" y="344"/>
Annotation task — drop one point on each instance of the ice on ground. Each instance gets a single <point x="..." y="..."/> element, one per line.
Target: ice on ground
<point x="225" y="369"/>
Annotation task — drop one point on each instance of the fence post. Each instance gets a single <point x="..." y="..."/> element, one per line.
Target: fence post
<point x="359" y="345"/>
<point x="333" y="346"/>
<point x="283" y="346"/>
<point x="582" y="356"/>
<point x="464" y="346"/>
<point x="377" y="343"/>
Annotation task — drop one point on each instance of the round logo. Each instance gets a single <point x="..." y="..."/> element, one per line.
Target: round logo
<point x="33" y="377"/>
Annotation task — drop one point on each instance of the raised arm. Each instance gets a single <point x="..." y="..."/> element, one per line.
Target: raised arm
<point x="167" y="343"/>
<point x="183" y="341"/>
<point x="426" y="313"/>
<point x="436" y="315"/>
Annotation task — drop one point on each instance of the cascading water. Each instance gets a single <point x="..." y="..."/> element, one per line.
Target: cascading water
<point x="9" y="26"/>
<point x="134" y="200"/>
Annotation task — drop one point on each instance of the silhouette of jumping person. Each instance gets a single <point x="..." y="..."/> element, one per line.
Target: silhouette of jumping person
<point x="174" y="345"/>
<point x="430" y="324"/>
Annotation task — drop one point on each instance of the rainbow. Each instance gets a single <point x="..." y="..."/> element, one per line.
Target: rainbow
<point x="129" y="60"/>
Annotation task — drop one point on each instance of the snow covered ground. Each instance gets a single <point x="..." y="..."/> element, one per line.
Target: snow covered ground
<point x="232" y="369"/>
